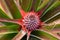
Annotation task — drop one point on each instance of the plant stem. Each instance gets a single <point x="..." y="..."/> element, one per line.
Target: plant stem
<point x="19" y="35"/>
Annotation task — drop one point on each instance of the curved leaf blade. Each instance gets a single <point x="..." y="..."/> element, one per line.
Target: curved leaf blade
<point x="37" y="3"/>
<point x="3" y="14"/>
<point x="53" y="18"/>
<point x="8" y="36"/>
<point x="41" y="33"/>
<point x="13" y="8"/>
<point x="10" y="27"/>
<point x="51" y="13"/>
<point x="43" y="4"/>
<point x="5" y="9"/>
<point x="26" y="4"/>
<point x="53" y="6"/>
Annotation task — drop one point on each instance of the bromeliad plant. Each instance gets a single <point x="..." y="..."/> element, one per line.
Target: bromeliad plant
<point x="34" y="17"/>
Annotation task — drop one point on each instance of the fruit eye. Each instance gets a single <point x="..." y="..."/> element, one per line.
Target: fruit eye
<point x="31" y="22"/>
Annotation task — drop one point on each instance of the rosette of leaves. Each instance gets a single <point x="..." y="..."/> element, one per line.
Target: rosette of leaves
<point x="46" y="16"/>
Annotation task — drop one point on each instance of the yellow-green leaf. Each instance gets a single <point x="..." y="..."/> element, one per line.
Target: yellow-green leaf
<point x="13" y="8"/>
<point x="26" y="4"/>
<point x="3" y="14"/>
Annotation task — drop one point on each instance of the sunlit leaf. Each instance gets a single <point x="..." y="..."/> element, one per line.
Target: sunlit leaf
<point x="5" y="9"/>
<point x="51" y="13"/>
<point x="44" y="34"/>
<point x="53" y="18"/>
<point x="13" y="8"/>
<point x="32" y="37"/>
<point x="10" y="28"/>
<point x="26" y="4"/>
<point x="3" y="14"/>
<point x="52" y="27"/>
<point x="37" y="3"/>
<point x="43" y="4"/>
<point x="8" y="36"/>
<point x="57" y="26"/>
<point x="8" y="32"/>
<point x="53" y="6"/>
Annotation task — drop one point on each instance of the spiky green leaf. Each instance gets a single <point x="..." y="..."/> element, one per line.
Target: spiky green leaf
<point x="26" y="4"/>
<point x="3" y="14"/>
<point x="13" y="8"/>
<point x="44" y="34"/>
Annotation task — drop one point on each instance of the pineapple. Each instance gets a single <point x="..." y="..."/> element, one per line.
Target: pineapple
<point x="29" y="19"/>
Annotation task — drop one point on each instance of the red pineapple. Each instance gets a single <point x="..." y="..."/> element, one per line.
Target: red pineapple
<point x="30" y="21"/>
